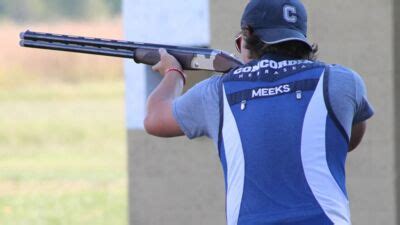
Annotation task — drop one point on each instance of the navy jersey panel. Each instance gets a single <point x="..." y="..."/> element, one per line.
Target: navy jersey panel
<point x="275" y="185"/>
<point x="221" y="152"/>
<point x="336" y="153"/>
<point x="303" y="217"/>
<point x="268" y="107"/>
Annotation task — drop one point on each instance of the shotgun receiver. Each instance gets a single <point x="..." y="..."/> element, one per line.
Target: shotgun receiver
<point x="191" y="58"/>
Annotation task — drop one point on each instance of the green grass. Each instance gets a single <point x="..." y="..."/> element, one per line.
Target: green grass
<point x="62" y="154"/>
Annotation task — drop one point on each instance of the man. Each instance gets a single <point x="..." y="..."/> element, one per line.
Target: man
<point x="283" y="122"/>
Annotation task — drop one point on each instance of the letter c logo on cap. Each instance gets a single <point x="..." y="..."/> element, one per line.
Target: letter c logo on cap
<point x="290" y="13"/>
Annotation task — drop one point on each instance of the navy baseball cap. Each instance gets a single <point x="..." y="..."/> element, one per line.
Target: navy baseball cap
<point x="276" y="21"/>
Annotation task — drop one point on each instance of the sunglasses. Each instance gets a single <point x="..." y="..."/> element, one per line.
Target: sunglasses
<point x="238" y="42"/>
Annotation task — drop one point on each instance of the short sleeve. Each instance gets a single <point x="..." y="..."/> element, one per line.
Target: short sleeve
<point x="197" y="111"/>
<point x="348" y="96"/>
<point x="364" y="109"/>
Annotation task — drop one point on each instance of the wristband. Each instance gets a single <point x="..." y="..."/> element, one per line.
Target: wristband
<point x="183" y="75"/>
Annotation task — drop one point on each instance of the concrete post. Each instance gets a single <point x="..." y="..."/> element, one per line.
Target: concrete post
<point x="157" y="21"/>
<point x="165" y="176"/>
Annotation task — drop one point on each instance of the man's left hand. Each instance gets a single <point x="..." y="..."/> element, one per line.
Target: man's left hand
<point x="167" y="61"/>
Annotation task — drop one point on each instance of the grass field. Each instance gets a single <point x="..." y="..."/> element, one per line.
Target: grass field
<point x="62" y="155"/>
<point x="62" y="135"/>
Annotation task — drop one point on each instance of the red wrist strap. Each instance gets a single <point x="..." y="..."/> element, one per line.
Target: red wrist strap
<point x="183" y="75"/>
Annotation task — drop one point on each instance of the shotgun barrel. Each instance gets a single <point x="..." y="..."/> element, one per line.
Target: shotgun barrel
<point x="78" y="49"/>
<point x="191" y="58"/>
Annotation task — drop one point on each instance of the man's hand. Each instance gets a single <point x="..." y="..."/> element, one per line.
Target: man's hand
<point x="167" y="61"/>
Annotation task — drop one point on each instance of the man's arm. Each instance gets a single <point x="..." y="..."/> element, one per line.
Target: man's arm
<point x="159" y="119"/>
<point x="357" y="134"/>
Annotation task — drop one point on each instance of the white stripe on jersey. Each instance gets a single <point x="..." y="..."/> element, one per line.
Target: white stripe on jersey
<point x="235" y="164"/>
<point x="313" y="155"/>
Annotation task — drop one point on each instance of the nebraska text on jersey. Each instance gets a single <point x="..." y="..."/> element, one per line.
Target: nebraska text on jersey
<point x="270" y="64"/>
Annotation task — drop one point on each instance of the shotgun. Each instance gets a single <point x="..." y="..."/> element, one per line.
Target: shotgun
<point x="191" y="58"/>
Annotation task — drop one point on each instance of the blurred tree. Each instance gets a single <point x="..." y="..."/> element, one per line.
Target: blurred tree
<point x="49" y="10"/>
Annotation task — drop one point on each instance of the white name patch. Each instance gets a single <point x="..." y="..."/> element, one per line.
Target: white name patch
<point x="262" y="92"/>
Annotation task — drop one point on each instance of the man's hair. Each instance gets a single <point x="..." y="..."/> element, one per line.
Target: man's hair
<point x="292" y="49"/>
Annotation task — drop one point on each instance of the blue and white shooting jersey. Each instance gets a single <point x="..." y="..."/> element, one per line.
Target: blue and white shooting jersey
<point x="282" y="128"/>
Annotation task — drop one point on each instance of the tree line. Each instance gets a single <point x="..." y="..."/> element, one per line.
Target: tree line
<point x="48" y="10"/>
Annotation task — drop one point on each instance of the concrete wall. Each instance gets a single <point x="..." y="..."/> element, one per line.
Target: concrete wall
<point x="176" y="181"/>
<point x="396" y="101"/>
